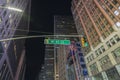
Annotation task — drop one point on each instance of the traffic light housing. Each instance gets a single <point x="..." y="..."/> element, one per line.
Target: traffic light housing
<point x="84" y="42"/>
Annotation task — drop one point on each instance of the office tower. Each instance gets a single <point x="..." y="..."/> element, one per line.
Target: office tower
<point x="49" y="63"/>
<point x="47" y="69"/>
<point x="63" y="25"/>
<point x="41" y="75"/>
<point x="99" y="22"/>
<point x="14" y="22"/>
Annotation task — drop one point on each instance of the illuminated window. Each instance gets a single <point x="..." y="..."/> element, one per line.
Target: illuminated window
<point x="106" y="22"/>
<point x="92" y="56"/>
<point x="99" y="50"/>
<point x="110" y="6"/>
<point x="96" y="52"/>
<point x="119" y="7"/>
<point x="10" y="16"/>
<point x="116" y="12"/>
<point x="104" y="60"/>
<point x="118" y="24"/>
<point x="114" y="2"/>
<point x="112" y="17"/>
<point x="102" y="48"/>
<point x="93" y="68"/>
<point x="107" y="33"/>
<point x="4" y="14"/>
<point x="111" y="29"/>
<point x="1" y="48"/>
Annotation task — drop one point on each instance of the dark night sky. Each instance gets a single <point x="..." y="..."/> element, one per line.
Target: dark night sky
<point x="42" y="12"/>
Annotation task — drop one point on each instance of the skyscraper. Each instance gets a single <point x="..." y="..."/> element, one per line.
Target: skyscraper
<point x="99" y="22"/>
<point x="14" y="22"/>
<point x="49" y="63"/>
<point x="41" y="75"/>
<point x="63" y="25"/>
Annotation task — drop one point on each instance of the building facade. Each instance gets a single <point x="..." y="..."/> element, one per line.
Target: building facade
<point x="63" y="25"/>
<point x="14" y="22"/>
<point x="99" y="22"/>
<point x="41" y="75"/>
<point x="49" y="63"/>
<point x="47" y="69"/>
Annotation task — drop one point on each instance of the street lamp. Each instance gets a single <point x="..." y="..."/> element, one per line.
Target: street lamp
<point x="12" y="8"/>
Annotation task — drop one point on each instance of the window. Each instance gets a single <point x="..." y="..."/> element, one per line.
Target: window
<point x="108" y="44"/>
<point x="112" y="41"/>
<point x="116" y="12"/>
<point x="5" y="44"/>
<point x="117" y="38"/>
<point x="112" y="74"/>
<point x="117" y="24"/>
<point x="12" y="1"/>
<point x="104" y="60"/>
<point x="0" y="19"/>
<point x="117" y="52"/>
<point x="6" y="21"/>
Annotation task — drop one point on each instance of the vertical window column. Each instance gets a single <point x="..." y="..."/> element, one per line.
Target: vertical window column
<point x="86" y="32"/>
<point x="97" y="30"/>
<point x="106" y="15"/>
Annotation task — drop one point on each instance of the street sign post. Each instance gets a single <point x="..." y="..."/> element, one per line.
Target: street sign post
<point x="55" y="41"/>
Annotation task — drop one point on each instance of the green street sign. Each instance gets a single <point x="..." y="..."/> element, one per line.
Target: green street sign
<point x="55" y="41"/>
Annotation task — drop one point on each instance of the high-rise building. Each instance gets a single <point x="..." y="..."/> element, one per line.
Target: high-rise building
<point x="99" y="22"/>
<point x="47" y="69"/>
<point x="49" y="62"/>
<point x="63" y="25"/>
<point x="14" y="22"/>
<point x="41" y="75"/>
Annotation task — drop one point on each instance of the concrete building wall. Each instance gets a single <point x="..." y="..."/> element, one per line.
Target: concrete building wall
<point x="100" y="21"/>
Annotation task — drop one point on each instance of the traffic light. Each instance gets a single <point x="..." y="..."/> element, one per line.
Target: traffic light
<point x="84" y="42"/>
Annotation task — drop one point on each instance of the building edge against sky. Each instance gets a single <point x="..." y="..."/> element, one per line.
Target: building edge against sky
<point x="47" y="70"/>
<point x="63" y="25"/>
<point x="14" y="22"/>
<point x="100" y="21"/>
